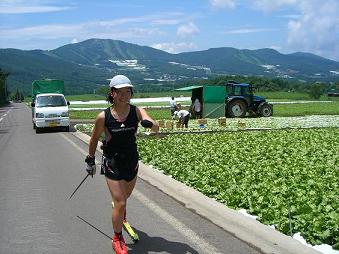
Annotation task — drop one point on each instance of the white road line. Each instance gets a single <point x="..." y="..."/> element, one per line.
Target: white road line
<point x="176" y="224"/>
<point x="204" y="246"/>
<point x="82" y="151"/>
<point x="4" y="115"/>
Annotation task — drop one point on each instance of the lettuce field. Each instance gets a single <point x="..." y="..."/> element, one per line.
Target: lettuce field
<point x="268" y="173"/>
<point x="233" y="124"/>
<point x="272" y="167"/>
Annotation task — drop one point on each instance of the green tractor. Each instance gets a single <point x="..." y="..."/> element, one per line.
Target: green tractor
<point x="240" y="100"/>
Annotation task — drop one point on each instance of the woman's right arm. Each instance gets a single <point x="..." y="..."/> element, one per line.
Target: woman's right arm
<point x="99" y="127"/>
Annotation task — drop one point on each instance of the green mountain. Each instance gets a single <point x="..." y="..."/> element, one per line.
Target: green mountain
<point x="87" y="65"/>
<point x="100" y="51"/>
<point x="26" y="66"/>
<point x="265" y="62"/>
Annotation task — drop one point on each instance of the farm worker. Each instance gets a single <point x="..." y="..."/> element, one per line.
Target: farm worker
<point x="173" y="105"/>
<point x="197" y="109"/>
<point x="120" y="157"/>
<point x="183" y="116"/>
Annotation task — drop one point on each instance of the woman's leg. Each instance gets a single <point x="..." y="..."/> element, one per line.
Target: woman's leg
<point x="119" y="197"/>
<point x="130" y="186"/>
<point x="120" y="192"/>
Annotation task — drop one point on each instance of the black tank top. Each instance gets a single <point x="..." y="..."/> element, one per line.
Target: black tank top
<point x="120" y="137"/>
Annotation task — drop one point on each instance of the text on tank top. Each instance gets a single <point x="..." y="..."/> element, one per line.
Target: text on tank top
<point x="120" y="136"/>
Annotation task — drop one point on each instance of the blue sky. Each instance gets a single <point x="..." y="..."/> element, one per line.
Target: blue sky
<point x="175" y="25"/>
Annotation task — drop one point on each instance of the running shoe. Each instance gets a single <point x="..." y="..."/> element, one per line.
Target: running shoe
<point x="118" y="244"/>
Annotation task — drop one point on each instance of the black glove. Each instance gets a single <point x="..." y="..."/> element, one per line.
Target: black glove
<point x="146" y="124"/>
<point x="90" y="168"/>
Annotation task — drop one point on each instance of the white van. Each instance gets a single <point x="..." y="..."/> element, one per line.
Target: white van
<point x="50" y="110"/>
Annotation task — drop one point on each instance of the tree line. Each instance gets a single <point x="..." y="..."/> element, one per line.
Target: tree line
<point x="264" y="84"/>
<point x="261" y="84"/>
<point x="5" y="94"/>
<point x="3" y="87"/>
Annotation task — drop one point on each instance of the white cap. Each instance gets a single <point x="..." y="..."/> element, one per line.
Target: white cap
<point x="120" y="81"/>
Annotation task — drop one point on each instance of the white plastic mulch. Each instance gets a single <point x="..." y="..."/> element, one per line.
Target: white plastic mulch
<point x="323" y="248"/>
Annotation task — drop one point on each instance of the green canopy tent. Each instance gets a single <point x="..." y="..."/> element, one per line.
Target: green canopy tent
<point x="212" y="99"/>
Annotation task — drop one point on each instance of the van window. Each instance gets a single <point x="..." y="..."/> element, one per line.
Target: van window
<point x="51" y="101"/>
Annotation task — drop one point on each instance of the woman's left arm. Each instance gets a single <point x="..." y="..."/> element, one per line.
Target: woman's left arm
<point x="142" y="115"/>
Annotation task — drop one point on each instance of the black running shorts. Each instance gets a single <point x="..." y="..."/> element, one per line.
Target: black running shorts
<point x="120" y="167"/>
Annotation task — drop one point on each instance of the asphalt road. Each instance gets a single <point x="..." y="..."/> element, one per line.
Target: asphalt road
<point x="38" y="172"/>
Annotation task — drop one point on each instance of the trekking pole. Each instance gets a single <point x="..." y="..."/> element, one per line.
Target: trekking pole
<point x="94" y="227"/>
<point x="83" y="180"/>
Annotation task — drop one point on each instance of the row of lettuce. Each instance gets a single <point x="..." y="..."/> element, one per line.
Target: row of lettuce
<point x="232" y="124"/>
<point x="271" y="174"/>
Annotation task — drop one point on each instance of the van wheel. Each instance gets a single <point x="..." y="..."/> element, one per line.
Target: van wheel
<point x="37" y="130"/>
<point x="67" y="128"/>
<point x="34" y="126"/>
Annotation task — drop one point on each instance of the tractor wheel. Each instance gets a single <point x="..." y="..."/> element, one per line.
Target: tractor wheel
<point x="266" y="110"/>
<point x="237" y="108"/>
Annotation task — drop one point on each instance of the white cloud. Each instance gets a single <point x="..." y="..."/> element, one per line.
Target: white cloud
<point x="247" y="30"/>
<point x="167" y="18"/>
<point x="315" y="30"/>
<point x="20" y="7"/>
<point x="108" y="30"/>
<point x="129" y="27"/>
<point x="275" y="47"/>
<point x="136" y="29"/>
<point x="166" y="22"/>
<point x="30" y="9"/>
<point x="172" y="47"/>
<point x="269" y="5"/>
<point x="222" y="4"/>
<point x="290" y="16"/>
<point x="75" y="40"/>
<point x="187" y="30"/>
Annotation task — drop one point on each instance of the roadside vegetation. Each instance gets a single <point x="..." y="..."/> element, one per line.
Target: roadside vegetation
<point x="3" y="87"/>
